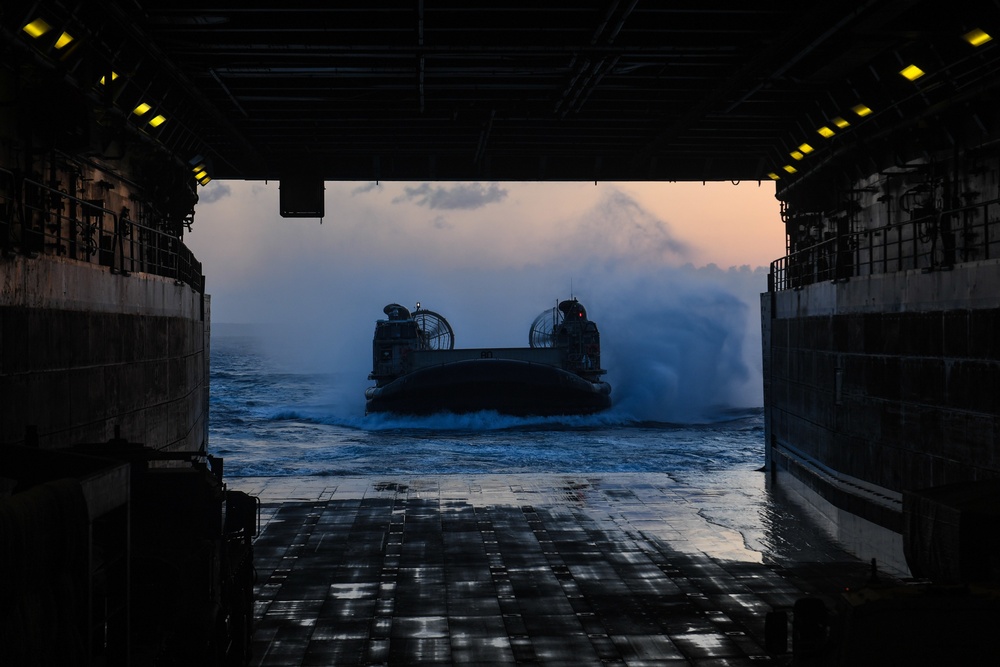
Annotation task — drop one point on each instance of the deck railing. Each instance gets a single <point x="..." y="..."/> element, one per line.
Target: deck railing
<point x="38" y="219"/>
<point x="938" y="240"/>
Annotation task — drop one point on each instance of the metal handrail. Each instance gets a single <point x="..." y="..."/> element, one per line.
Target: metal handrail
<point x="930" y="242"/>
<point x="36" y="218"/>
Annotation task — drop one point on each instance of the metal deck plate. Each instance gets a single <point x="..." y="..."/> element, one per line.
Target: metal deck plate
<point x="528" y="569"/>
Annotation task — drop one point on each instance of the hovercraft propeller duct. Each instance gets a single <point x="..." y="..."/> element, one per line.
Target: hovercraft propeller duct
<point x="543" y="329"/>
<point x="435" y="332"/>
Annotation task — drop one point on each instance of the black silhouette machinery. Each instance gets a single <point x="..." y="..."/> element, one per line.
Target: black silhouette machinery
<point x="418" y="370"/>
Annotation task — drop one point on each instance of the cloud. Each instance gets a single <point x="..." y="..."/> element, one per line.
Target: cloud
<point x="462" y="196"/>
<point x="213" y="193"/>
<point x="362" y="189"/>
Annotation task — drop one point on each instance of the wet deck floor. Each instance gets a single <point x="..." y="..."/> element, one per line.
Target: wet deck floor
<point x="547" y="569"/>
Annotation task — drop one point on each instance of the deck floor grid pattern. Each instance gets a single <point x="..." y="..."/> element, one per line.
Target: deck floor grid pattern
<point x="513" y="570"/>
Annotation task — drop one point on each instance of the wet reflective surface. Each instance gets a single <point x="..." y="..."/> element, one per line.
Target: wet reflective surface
<point x="622" y="569"/>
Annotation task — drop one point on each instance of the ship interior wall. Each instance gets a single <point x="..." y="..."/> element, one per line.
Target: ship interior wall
<point x="104" y="315"/>
<point x="104" y="381"/>
<point x="79" y="375"/>
<point x="882" y="360"/>
<point x="891" y="397"/>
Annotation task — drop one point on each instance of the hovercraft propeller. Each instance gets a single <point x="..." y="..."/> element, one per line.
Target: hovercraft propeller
<point x="435" y="332"/>
<point x="543" y="329"/>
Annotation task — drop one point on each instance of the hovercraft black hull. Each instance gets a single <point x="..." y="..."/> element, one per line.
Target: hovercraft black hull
<point x="507" y="386"/>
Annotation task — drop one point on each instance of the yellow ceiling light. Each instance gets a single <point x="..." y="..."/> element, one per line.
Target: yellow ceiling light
<point x="200" y="169"/>
<point x="114" y="75"/>
<point x="861" y="110"/>
<point x="790" y="169"/>
<point x="806" y="149"/>
<point x="977" y="37"/>
<point x="912" y="72"/>
<point x="797" y="155"/>
<point x="37" y="28"/>
<point x="141" y="109"/>
<point x="64" y="40"/>
<point x="839" y="122"/>
<point x="157" y="120"/>
<point x="826" y="132"/>
<point x="773" y="176"/>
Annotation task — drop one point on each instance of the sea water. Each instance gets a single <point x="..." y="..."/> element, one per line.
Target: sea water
<point x="268" y="420"/>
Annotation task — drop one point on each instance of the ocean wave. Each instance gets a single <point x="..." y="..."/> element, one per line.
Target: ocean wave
<point x="447" y="421"/>
<point x="486" y="420"/>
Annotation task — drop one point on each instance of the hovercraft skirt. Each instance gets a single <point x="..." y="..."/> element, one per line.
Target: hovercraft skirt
<point x="506" y="386"/>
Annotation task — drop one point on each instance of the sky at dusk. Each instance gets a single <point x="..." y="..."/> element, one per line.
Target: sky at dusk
<point x="671" y="273"/>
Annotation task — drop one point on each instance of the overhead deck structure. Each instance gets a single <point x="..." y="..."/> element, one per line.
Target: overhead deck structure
<point x="523" y="90"/>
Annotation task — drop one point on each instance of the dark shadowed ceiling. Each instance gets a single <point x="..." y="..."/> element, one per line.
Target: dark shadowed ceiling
<point x="523" y="90"/>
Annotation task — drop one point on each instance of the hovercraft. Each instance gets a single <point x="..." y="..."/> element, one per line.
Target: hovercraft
<point x="418" y="371"/>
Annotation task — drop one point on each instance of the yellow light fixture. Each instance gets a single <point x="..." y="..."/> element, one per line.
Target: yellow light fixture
<point x="798" y="155"/>
<point x="861" y="110"/>
<point x="790" y="169"/>
<point x="64" y="40"/>
<point x="912" y="72"/>
<point x="773" y="176"/>
<point x="37" y="28"/>
<point x="141" y="109"/>
<point x="114" y="75"/>
<point x="839" y="122"/>
<point x="157" y="120"/>
<point x="806" y="149"/>
<point x="977" y="37"/>
<point x="200" y="169"/>
<point x="826" y="132"/>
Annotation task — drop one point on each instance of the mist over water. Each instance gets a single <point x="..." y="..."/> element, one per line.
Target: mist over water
<point x="680" y="344"/>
